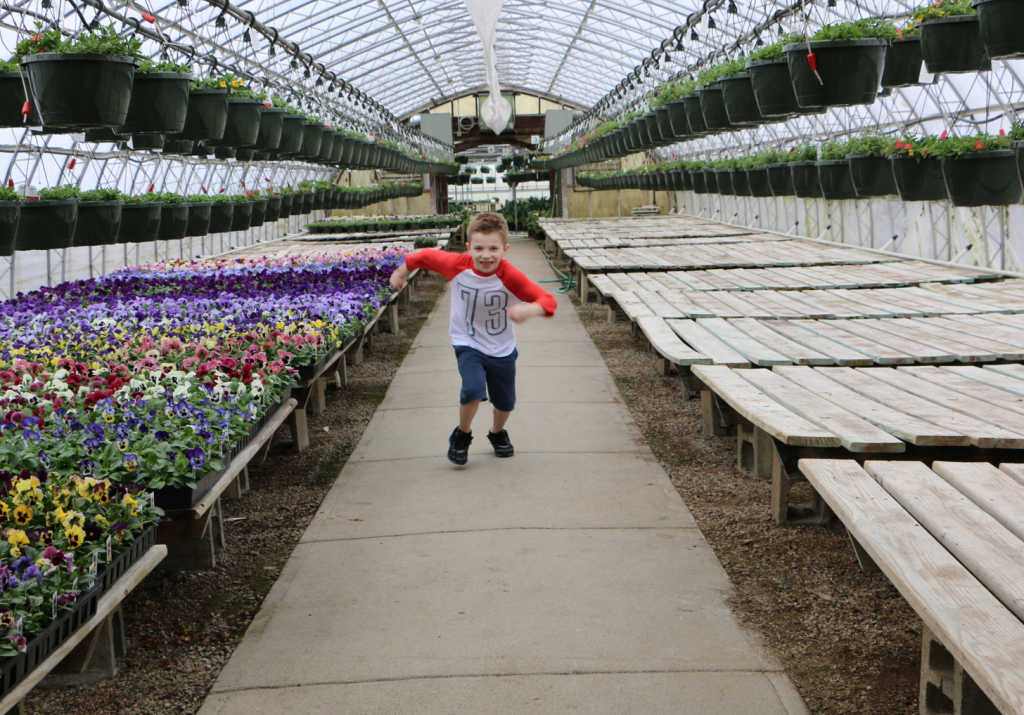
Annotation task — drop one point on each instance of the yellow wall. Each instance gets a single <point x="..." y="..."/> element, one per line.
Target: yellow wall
<point x="404" y="206"/>
<point x="586" y="203"/>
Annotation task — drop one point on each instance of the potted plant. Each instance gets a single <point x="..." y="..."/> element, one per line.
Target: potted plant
<point x="476" y="180"/>
<point x="293" y="126"/>
<point x="738" y="94"/>
<point x="490" y="179"/>
<point x="312" y="137"/>
<point x="723" y="176"/>
<point x="287" y="201"/>
<point x="173" y="216"/>
<point x="757" y="173"/>
<point x="803" y="169"/>
<point x="200" y="208"/>
<point x="221" y="212"/>
<point x="99" y="217"/>
<point x="916" y="171"/>
<point x="834" y="172"/>
<point x="1001" y="23"/>
<point x="207" y="113"/>
<point x="140" y="219"/>
<point x="771" y="83"/>
<point x="841" y="65"/>
<point x="871" y="166"/>
<point x="980" y="170"/>
<point x="224" y="152"/>
<point x="178" y="146"/>
<point x="273" y="206"/>
<point x="242" y="154"/>
<point x="148" y="142"/>
<point x="951" y="38"/>
<point x="64" y="75"/>
<point x="245" y="106"/>
<point x="10" y="212"/>
<point x="13" y="83"/>
<point x="241" y="218"/>
<point x="485" y="170"/>
<point x="49" y="223"/>
<point x="903" y="59"/>
<point x="159" y="102"/>
<point x="271" y="125"/>
<point x="712" y="103"/>
<point x="308" y="196"/>
<point x="740" y="182"/>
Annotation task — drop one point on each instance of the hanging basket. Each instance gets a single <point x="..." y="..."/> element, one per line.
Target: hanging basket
<point x="677" y="119"/>
<point x="952" y="45"/>
<point x="150" y="142"/>
<point x="159" y="103"/>
<point x="304" y="203"/>
<point x="220" y="216"/>
<point x="207" y="115"/>
<point x="757" y="182"/>
<point x="76" y="89"/>
<point x="723" y="182"/>
<point x="273" y="209"/>
<point x="872" y="176"/>
<point x="700" y="185"/>
<point x="850" y="72"/>
<point x="836" y="180"/>
<point x="919" y="180"/>
<point x="12" y="90"/>
<point x="10" y="212"/>
<point x="695" y="115"/>
<point x="318" y="199"/>
<point x="326" y="145"/>
<point x="292" y="130"/>
<point x="259" y="213"/>
<point x="903" y="62"/>
<point x="1002" y="27"/>
<point x="47" y="225"/>
<point x="224" y="152"/>
<point x="242" y="126"/>
<point x="241" y="218"/>
<point x="173" y="222"/>
<point x="773" y="89"/>
<point x="178" y="146"/>
<point x="271" y="126"/>
<point x="740" y="187"/>
<point x="780" y="179"/>
<point x="140" y="223"/>
<point x="287" y="201"/>
<point x="98" y="223"/>
<point x="806" y="184"/>
<point x="199" y="218"/>
<point x="740" y="102"/>
<point x="984" y="178"/>
<point x="244" y="154"/>
<point x="712" y="106"/>
<point x="312" y="137"/>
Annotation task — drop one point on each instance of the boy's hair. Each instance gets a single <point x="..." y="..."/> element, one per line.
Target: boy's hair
<point x="488" y="222"/>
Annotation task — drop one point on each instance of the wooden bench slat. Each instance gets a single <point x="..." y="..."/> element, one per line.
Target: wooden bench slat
<point x="751" y="349"/>
<point x="1001" y="496"/>
<point x="707" y="344"/>
<point x="967" y="387"/>
<point x="840" y="354"/>
<point x="668" y="344"/>
<point x="795" y="352"/>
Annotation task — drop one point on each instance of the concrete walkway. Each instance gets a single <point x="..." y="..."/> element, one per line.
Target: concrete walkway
<point x="569" y="578"/>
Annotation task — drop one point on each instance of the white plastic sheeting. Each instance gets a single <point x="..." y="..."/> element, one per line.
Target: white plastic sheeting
<point x="496" y="111"/>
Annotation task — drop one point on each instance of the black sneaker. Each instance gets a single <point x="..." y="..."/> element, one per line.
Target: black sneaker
<point x="458" y="446"/>
<point x="502" y="445"/>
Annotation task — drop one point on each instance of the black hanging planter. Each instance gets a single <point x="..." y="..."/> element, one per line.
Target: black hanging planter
<point x="312" y="137"/>
<point x="712" y="105"/>
<point x="326" y="145"/>
<point x="271" y="126"/>
<point x="740" y="187"/>
<point x="307" y="203"/>
<point x="242" y="125"/>
<point x="98" y="223"/>
<point x="1002" y="27"/>
<point x="178" y="146"/>
<point x="10" y="212"/>
<point x="318" y="199"/>
<point x="664" y="129"/>
<point x="711" y="181"/>
<point x="259" y="213"/>
<point x="199" y="214"/>
<point x="140" y="223"/>
<point x="695" y="115"/>
<point x="740" y="102"/>
<point x="173" y="222"/>
<point x="773" y="89"/>
<point x="224" y="152"/>
<point x="244" y="154"/>
<point x="700" y="185"/>
<point x="757" y="182"/>
<point x="159" y="103"/>
<point x="903" y="62"/>
<point x="241" y="218"/>
<point x="987" y="178"/>
<point x="723" y="180"/>
<point x="292" y="131"/>
<point x="151" y="142"/>
<point x="200" y="149"/>
<point x="287" y="201"/>
<point x="47" y="225"/>
<point x="220" y="216"/>
<point x="77" y="89"/>
<point x="780" y="179"/>
<point x="678" y="120"/>
<point x="806" y="183"/>
<point x="836" y="180"/>
<point x="676" y="180"/>
<point x="273" y="209"/>
<point x="687" y="180"/>
<point x="951" y="45"/>
<point x="850" y="72"/>
<point x="12" y="89"/>
<point x="104" y="134"/>
<point x="919" y="180"/>
<point x="871" y="175"/>
<point x="207" y="115"/>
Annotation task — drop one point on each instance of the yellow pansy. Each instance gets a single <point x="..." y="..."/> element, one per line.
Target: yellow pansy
<point x="75" y="536"/>
<point x="130" y="501"/>
<point x="17" y="538"/>
<point x="23" y="514"/>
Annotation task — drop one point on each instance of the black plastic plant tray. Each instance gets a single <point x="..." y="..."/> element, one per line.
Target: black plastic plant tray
<point x="309" y="371"/>
<point x="43" y="644"/>
<point x="124" y="560"/>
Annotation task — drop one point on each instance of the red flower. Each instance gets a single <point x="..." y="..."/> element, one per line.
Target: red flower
<point x="943" y="135"/>
<point x="1002" y="132"/>
<point x="979" y="145"/>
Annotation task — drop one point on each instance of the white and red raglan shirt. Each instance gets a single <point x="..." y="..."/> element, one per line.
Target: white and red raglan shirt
<point x="480" y="301"/>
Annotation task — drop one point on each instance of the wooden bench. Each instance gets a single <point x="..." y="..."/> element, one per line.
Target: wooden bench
<point x="951" y="540"/>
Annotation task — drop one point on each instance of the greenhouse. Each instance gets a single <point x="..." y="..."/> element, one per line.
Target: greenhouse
<point x="740" y="285"/>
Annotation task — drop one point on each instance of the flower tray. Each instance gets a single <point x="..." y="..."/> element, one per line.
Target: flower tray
<point x="124" y="560"/>
<point x="43" y="644"/>
<point x="308" y="372"/>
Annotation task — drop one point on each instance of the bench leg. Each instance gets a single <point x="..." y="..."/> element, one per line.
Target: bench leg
<point x="194" y="544"/>
<point x="341" y="373"/>
<point x="754" y="451"/>
<point x="393" y="318"/>
<point x="94" y="659"/>
<point x="817" y="512"/>
<point x="945" y="686"/>
<point x="403" y="298"/>
<point x="357" y="354"/>
<point x="240" y="486"/>
<point x="712" y="414"/>
<point x="317" y="401"/>
<point x="299" y="429"/>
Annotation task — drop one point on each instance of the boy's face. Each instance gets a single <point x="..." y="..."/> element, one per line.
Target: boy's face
<point x="487" y="250"/>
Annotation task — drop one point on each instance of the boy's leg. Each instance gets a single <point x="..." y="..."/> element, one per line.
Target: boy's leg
<point x="501" y="387"/>
<point x="466" y="415"/>
<point x="474" y="390"/>
<point x="500" y="418"/>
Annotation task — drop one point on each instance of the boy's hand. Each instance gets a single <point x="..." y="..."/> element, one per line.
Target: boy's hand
<point x="398" y="277"/>
<point x="521" y="312"/>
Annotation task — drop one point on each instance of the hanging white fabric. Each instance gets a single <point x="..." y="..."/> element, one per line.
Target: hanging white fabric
<point x="496" y="111"/>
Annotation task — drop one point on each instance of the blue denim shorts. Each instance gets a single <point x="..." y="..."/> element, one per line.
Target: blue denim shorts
<point x="483" y="376"/>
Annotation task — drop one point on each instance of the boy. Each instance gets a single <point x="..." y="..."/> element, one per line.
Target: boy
<point x="487" y="292"/>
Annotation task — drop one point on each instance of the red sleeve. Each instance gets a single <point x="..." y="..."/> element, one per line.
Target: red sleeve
<point x="526" y="290"/>
<point x="447" y="264"/>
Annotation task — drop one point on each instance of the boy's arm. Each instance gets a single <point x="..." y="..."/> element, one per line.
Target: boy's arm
<point x="536" y="300"/>
<point x="447" y="264"/>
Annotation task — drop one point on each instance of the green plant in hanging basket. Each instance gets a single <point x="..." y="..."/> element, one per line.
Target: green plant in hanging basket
<point x="668" y="92"/>
<point x="60" y="193"/>
<point x="870" y="144"/>
<point x="947" y="146"/>
<point x="9" y="193"/>
<point x="708" y="77"/>
<point x="909" y="146"/>
<point x="801" y="152"/>
<point x="102" y="195"/>
<point x="200" y="198"/>
<point x="221" y="198"/>
<point x="774" y="50"/>
<point x="835" y="150"/>
<point x="99" y="41"/>
<point x="146" y="66"/>
<point x="169" y="197"/>
<point x="11" y="65"/>
<point x="148" y="198"/>
<point x="864" y="29"/>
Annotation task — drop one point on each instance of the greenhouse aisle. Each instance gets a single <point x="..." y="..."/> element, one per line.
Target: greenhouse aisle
<point x="570" y="577"/>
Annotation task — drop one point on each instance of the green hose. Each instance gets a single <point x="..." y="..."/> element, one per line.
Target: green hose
<point x="565" y="280"/>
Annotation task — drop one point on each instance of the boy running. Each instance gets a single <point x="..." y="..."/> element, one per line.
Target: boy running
<point x="487" y="292"/>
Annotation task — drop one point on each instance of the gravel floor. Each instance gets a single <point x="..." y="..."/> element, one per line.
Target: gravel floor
<point x="847" y="638"/>
<point x="183" y="626"/>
